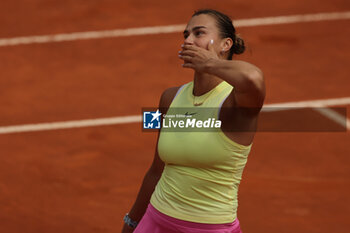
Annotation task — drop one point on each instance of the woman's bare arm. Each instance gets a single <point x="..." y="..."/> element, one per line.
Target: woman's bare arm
<point x="154" y="172"/>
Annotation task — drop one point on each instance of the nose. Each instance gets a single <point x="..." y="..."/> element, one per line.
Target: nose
<point x="189" y="40"/>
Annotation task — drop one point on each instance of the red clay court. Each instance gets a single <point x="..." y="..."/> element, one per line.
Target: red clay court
<point x="62" y="173"/>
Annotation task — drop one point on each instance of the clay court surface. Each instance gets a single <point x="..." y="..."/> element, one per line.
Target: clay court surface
<point x="85" y="179"/>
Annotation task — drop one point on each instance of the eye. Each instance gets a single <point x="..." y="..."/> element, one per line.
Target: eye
<point x="198" y="33"/>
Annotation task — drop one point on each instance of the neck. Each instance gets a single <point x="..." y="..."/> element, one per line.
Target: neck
<point x="204" y="82"/>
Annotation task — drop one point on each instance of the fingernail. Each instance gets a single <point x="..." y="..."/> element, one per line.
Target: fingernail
<point x="182" y="46"/>
<point x="180" y="51"/>
<point x="211" y="41"/>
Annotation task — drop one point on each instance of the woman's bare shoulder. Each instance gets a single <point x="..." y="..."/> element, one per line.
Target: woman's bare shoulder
<point x="168" y="96"/>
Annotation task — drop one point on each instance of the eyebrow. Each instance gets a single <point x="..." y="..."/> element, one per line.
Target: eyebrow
<point x="195" y="28"/>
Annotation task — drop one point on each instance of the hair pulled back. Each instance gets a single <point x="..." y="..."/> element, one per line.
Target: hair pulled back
<point x="226" y="29"/>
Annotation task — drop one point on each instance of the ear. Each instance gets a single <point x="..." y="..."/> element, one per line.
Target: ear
<point x="226" y="45"/>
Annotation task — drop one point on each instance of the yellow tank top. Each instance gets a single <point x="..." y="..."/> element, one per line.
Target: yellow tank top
<point x="202" y="169"/>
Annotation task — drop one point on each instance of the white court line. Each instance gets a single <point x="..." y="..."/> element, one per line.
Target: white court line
<point x="138" y="118"/>
<point x="333" y="115"/>
<point x="70" y="124"/>
<point x="169" y="29"/>
<point x="303" y="104"/>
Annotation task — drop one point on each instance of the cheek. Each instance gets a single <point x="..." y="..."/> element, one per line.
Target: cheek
<point x="203" y="43"/>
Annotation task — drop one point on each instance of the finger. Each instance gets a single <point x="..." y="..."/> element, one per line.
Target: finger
<point x="188" y="65"/>
<point x="186" y="58"/>
<point x="189" y="47"/>
<point x="187" y="53"/>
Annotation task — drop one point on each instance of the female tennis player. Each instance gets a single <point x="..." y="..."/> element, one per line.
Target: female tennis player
<point x="192" y="184"/>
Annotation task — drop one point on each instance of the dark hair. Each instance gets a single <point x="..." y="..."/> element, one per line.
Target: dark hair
<point x="226" y="29"/>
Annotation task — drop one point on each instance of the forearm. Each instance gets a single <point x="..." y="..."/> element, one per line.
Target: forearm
<point x="239" y="74"/>
<point x="149" y="182"/>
